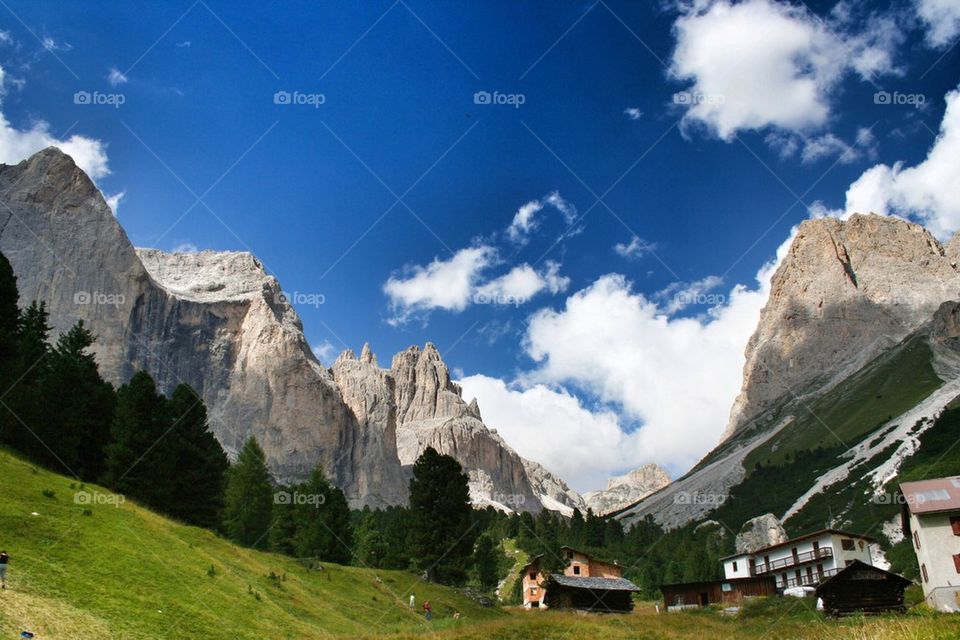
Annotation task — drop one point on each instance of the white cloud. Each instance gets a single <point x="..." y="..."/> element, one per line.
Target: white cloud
<point x="19" y="144"/>
<point x="443" y="284"/>
<point x="680" y="295"/>
<point x="116" y="77"/>
<point x="553" y="427"/>
<point x="677" y="377"/>
<point x="185" y="247"/>
<point x="113" y="201"/>
<point x="925" y="192"/>
<point x="521" y="284"/>
<point x="325" y="352"/>
<point x="525" y="219"/>
<point x="633" y="113"/>
<point x="942" y="20"/>
<point x="5" y="37"/>
<point x="764" y="63"/>
<point x="635" y="249"/>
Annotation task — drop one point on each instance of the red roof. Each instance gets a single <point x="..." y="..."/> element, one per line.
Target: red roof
<point x="932" y="496"/>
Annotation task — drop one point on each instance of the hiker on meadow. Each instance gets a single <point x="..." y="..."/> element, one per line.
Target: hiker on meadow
<point x="427" y="611"/>
<point x="413" y="600"/>
<point x="4" y="561"/>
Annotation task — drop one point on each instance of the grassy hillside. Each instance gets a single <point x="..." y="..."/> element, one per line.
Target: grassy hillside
<point x="84" y="571"/>
<point x="888" y="386"/>
<point x="103" y="571"/>
<point x="789" y="463"/>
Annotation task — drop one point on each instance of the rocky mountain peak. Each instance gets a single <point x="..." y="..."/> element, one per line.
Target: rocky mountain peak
<point x="846" y="290"/>
<point x="622" y="491"/>
<point x="367" y="356"/>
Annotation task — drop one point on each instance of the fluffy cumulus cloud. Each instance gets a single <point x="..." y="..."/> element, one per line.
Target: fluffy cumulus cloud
<point x="633" y="113"/>
<point x="764" y="63"/>
<point x="18" y="144"/>
<point x="522" y="283"/>
<point x="456" y="283"/>
<point x="942" y="20"/>
<point x="553" y="427"/>
<point x="925" y="192"/>
<point x="442" y="284"/>
<point x="668" y="381"/>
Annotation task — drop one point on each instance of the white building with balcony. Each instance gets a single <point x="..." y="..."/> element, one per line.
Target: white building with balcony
<point x="803" y="561"/>
<point x="931" y="521"/>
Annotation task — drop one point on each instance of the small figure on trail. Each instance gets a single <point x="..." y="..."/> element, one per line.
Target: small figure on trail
<point x="4" y="561"/>
<point x="413" y="600"/>
<point x="428" y="612"/>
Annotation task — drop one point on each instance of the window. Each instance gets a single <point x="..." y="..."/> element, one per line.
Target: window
<point x="734" y="565"/>
<point x="956" y="562"/>
<point x="955" y="524"/>
<point x="533" y="591"/>
<point x="846" y="544"/>
<point x="576" y="570"/>
<point x="533" y="575"/>
<point x="923" y="570"/>
<point x="916" y="540"/>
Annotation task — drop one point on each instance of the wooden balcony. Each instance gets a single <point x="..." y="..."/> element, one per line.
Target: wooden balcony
<point x="809" y="581"/>
<point x="793" y="561"/>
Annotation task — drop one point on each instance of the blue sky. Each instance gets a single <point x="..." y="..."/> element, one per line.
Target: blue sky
<point x="693" y="135"/>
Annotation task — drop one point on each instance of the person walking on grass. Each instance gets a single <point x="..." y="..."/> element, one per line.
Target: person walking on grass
<point x="413" y="600"/>
<point x="4" y="561"/>
<point x="427" y="611"/>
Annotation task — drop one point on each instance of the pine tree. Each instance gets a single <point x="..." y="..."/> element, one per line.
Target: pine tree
<point x="248" y="502"/>
<point x="78" y="424"/>
<point x="283" y="528"/>
<point x="9" y="328"/>
<point x="141" y="457"/>
<point x="199" y="479"/>
<point x="321" y="520"/>
<point x="27" y="406"/>
<point x="441" y="535"/>
<point x="485" y="559"/>
<point x="370" y="547"/>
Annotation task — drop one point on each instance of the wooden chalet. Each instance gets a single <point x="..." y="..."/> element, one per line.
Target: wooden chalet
<point x="860" y="587"/>
<point x="728" y="593"/>
<point x="586" y="583"/>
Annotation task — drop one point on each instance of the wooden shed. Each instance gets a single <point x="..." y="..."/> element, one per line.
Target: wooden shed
<point x="690" y="595"/>
<point x="590" y="594"/>
<point x="860" y="587"/>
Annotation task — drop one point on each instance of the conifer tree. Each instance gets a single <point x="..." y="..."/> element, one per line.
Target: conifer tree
<point x="485" y="558"/>
<point x="321" y="520"/>
<point x="140" y="459"/>
<point x="77" y="428"/>
<point x="248" y="502"/>
<point x="201" y="465"/>
<point x="441" y="535"/>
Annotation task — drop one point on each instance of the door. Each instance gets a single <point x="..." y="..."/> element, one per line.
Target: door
<point x="704" y="599"/>
<point x="753" y="567"/>
<point x="816" y="549"/>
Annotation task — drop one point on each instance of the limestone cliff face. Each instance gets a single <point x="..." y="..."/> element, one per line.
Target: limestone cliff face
<point x="219" y="322"/>
<point x="214" y="320"/>
<point x="432" y="413"/>
<point x="846" y="291"/>
<point x="622" y="491"/>
<point x="368" y="392"/>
